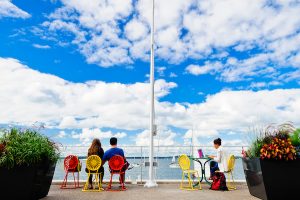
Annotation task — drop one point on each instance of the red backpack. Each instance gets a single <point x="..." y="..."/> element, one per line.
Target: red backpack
<point x="219" y="182"/>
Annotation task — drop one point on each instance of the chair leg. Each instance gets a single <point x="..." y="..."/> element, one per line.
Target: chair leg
<point x="122" y="180"/>
<point x="190" y="181"/>
<point x="78" y="180"/>
<point x="97" y="181"/>
<point x="233" y="187"/>
<point x="74" y="179"/>
<point x="182" y="180"/>
<point x="64" y="183"/>
<point x="86" y="185"/>
<point x="67" y="178"/>
<point x="199" y="182"/>
<point x="100" y="181"/>
<point x="110" y="182"/>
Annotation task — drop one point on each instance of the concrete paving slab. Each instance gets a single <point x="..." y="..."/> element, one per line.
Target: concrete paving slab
<point x="162" y="192"/>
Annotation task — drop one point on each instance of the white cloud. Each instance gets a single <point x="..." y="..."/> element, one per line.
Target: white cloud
<point x="95" y="104"/>
<point x="39" y="46"/>
<point x="67" y="122"/>
<point x="8" y="9"/>
<point x="173" y="75"/>
<point x="207" y="68"/>
<point x="235" y="142"/>
<point x="136" y="30"/>
<point x="260" y="85"/>
<point x="161" y="71"/>
<point x="188" y="29"/>
<point x="87" y="135"/>
<point x="165" y="137"/>
<point x="61" y="134"/>
<point x="257" y="85"/>
<point x="47" y="98"/>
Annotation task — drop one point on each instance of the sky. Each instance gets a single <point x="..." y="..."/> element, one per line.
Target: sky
<point x="81" y="68"/>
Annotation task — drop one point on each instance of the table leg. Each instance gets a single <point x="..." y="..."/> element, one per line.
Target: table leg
<point x="198" y="161"/>
<point x="203" y="174"/>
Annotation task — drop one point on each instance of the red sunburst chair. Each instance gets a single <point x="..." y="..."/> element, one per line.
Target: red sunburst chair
<point x="71" y="166"/>
<point x="116" y="164"/>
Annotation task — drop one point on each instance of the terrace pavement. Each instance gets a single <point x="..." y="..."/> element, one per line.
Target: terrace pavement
<point x="167" y="191"/>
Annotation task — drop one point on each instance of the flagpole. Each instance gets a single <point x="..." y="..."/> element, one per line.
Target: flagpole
<point x="151" y="181"/>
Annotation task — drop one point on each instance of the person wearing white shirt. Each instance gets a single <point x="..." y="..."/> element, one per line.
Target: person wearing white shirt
<point x="219" y="162"/>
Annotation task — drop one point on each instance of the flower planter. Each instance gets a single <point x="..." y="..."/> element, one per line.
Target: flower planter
<point x="298" y="151"/>
<point x="272" y="180"/>
<point x="26" y="182"/>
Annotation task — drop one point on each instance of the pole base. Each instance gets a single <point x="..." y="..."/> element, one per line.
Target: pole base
<point x="150" y="184"/>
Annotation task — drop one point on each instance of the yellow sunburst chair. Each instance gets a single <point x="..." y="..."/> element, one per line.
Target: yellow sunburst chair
<point x="185" y="164"/>
<point x="231" y="163"/>
<point x="230" y="167"/>
<point x="93" y="164"/>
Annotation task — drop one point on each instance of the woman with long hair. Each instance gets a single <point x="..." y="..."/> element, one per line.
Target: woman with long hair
<point x="96" y="149"/>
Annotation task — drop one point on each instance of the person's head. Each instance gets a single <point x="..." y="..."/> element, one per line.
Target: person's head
<point x="94" y="148"/>
<point x="113" y="141"/>
<point x="217" y="143"/>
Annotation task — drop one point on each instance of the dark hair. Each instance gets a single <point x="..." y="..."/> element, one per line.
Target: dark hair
<point x="113" y="141"/>
<point x="94" y="148"/>
<point x="218" y="141"/>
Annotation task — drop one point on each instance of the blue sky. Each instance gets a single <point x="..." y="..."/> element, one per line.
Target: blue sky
<point x="220" y="68"/>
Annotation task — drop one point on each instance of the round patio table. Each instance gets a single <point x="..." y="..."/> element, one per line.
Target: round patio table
<point x="203" y="175"/>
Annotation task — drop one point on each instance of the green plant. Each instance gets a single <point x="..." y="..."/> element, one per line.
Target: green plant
<point x="263" y="141"/>
<point x="254" y="150"/>
<point x="25" y="147"/>
<point x="295" y="138"/>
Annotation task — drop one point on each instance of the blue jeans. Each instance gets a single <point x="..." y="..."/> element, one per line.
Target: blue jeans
<point x="213" y="167"/>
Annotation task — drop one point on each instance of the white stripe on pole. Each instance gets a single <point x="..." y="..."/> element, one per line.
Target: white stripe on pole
<point x="151" y="181"/>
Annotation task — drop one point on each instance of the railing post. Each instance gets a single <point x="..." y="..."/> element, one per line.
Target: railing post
<point x="141" y="165"/>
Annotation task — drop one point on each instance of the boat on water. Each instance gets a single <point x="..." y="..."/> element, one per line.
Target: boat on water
<point x="174" y="164"/>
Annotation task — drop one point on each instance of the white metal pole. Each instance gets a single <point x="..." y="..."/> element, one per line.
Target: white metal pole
<point x="151" y="181"/>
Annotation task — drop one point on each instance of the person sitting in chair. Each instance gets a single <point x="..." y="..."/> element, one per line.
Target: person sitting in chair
<point x="219" y="162"/>
<point x="96" y="149"/>
<point x="114" y="150"/>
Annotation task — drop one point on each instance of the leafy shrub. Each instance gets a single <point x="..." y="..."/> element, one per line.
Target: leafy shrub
<point x="275" y="142"/>
<point x="25" y="147"/>
<point x="295" y="138"/>
<point x="255" y="148"/>
<point x="278" y="149"/>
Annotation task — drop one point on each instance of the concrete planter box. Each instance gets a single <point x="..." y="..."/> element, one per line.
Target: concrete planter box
<point x="272" y="180"/>
<point x="27" y="182"/>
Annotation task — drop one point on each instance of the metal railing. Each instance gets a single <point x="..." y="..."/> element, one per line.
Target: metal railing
<point x="160" y="151"/>
<point x="138" y="155"/>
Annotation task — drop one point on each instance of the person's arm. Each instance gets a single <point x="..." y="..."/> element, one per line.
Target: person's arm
<point x="123" y="155"/>
<point x="104" y="158"/>
<point x="101" y="155"/>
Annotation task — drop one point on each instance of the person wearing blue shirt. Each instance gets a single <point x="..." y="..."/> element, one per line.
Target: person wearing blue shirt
<point x="113" y="151"/>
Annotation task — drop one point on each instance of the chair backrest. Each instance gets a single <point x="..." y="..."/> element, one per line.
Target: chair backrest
<point x="231" y="163"/>
<point x="93" y="163"/>
<point x="116" y="163"/>
<point x="184" y="162"/>
<point x="70" y="162"/>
